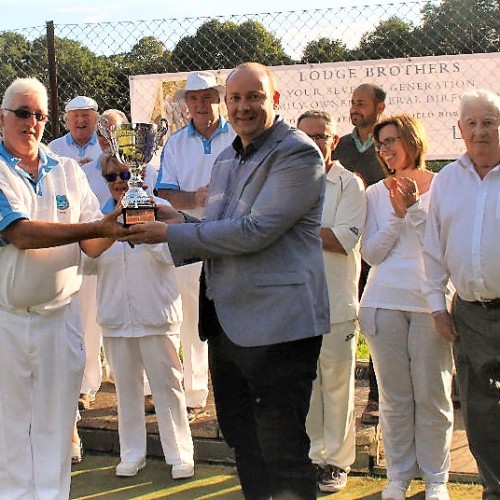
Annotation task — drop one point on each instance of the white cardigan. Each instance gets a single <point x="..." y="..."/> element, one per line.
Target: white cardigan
<point x="393" y="246"/>
<point x="137" y="293"/>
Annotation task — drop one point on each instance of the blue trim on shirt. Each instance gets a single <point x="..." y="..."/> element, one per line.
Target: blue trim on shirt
<point x="108" y="207"/>
<point x="47" y="163"/>
<point x="207" y="143"/>
<point x="81" y="149"/>
<point x="173" y="187"/>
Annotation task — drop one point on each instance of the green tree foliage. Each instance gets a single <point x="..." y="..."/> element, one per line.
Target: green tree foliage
<point x="325" y="50"/>
<point x="219" y="45"/>
<point x="15" y="52"/>
<point x="460" y="27"/>
<point x="391" y="39"/>
<point x="147" y="56"/>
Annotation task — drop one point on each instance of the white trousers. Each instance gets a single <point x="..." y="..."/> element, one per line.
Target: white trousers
<point x="194" y="351"/>
<point x="92" y="375"/>
<point x="41" y="366"/>
<point x="158" y="355"/>
<point x="331" y="419"/>
<point x="413" y="364"/>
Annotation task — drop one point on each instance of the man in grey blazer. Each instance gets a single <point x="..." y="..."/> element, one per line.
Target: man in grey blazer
<point x="263" y="299"/>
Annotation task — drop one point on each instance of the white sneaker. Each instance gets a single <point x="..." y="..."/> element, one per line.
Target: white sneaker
<point x="436" y="491"/>
<point x="129" y="469"/>
<point x="182" y="471"/>
<point x="396" y="490"/>
<point x="76" y="452"/>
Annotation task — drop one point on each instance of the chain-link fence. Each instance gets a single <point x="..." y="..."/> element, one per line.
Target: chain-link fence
<point x="98" y="59"/>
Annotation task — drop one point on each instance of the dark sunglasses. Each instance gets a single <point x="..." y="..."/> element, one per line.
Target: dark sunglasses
<point x="124" y="176"/>
<point x="24" y="114"/>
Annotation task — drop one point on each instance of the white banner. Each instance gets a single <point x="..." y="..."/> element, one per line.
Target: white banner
<point x="426" y="87"/>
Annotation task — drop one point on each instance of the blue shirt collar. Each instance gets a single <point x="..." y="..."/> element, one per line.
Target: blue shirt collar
<point x="222" y="127"/>
<point x="362" y="146"/>
<point x="47" y="163"/>
<point x="71" y="141"/>
<point x="109" y="206"/>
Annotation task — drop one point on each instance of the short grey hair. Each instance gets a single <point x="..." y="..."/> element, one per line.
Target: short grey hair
<point x="322" y="115"/>
<point x="112" y="111"/>
<point x="26" y="86"/>
<point x="482" y="95"/>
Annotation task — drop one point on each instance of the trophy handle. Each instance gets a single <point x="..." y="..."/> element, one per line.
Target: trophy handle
<point x="162" y="130"/>
<point x="108" y="132"/>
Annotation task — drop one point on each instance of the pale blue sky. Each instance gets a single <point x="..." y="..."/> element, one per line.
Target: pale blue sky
<point x="37" y="12"/>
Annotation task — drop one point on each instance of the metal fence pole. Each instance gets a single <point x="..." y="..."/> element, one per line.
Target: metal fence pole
<point x="53" y="94"/>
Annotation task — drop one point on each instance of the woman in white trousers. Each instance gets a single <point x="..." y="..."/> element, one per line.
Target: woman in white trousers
<point x="140" y="313"/>
<point x="413" y="363"/>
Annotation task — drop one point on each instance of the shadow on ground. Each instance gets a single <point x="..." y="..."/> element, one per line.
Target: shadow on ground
<point x="94" y="479"/>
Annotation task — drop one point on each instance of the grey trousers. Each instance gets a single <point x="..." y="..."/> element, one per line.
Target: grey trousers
<point x="477" y="356"/>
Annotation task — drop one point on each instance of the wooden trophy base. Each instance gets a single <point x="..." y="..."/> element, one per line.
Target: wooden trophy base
<point x="139" y="215"/>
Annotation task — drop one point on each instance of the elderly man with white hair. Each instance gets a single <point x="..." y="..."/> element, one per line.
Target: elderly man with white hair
<point x="48" y="215"/>
<point x="461" y="244"/>
<point x="186" y="167"/>
<point x="80" y="143"/>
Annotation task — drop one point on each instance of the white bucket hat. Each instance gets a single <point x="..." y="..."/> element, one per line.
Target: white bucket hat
<point x="81" y="102"/>
<point x="199" y="80"/>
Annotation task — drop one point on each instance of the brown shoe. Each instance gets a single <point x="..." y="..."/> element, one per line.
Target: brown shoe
<point x="196" y="413"/>
<point x="149" y="405"/>
<point x="85" y="401"/>
<point x="371" y="413"/>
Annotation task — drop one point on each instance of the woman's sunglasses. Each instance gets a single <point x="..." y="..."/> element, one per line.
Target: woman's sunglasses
<point x="124" y="176"/>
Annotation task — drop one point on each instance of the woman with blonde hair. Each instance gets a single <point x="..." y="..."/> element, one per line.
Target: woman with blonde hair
<point x="413" y="363"/>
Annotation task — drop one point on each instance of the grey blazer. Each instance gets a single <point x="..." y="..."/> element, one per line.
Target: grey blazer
<point x="262" y="248"/>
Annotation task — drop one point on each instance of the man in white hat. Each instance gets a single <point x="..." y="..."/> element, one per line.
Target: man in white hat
<point x="80" y="143"/>
<point x="186" y="167"/>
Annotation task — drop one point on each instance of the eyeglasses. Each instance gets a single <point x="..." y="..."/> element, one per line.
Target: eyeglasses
<point x="24" y="114"/>
<point x="319" y="137"/>
<point x="124" y="176"/>
<point x="386" y="144"/>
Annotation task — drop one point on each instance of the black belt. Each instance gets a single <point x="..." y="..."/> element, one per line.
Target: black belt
<point x="487" y="304"/>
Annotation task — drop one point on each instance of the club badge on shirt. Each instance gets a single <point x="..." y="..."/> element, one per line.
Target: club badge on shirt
<point x="62" y="202"/>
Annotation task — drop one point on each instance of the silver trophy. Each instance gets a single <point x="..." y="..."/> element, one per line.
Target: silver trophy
<point x="134" y="144"/>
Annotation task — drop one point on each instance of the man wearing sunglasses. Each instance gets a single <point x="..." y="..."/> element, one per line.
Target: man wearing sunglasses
<point x="48" y="214"/>
<point x="80" y="143"/>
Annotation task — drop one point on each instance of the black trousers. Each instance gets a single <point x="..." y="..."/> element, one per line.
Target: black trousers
<point x="262" y="397"/>
<point x="477" y="357"/>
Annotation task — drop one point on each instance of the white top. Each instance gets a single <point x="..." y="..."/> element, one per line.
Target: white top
<point x="99" y="185"/>
<point x="344" y="211"/>
<point x="188" y="157"/>
<point x="40" y="280"/>
<point x="66" y="146"/>
<point x="393" y="247"/>
<point x="137" y="292"/>
<point x="462" y="236"/>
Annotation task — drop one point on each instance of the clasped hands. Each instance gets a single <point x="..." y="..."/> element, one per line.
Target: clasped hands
<point x="148" y="232"/>
<point x="403" y="194"/>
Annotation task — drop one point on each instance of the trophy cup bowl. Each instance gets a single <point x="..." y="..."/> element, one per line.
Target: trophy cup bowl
<point x="134" y="144"/>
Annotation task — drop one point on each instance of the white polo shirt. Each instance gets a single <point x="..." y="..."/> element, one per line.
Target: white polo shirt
<point x="344" y="211"/>
<point x="39" y="280"/>
<point x="66" y="146"/>
<point x="188" y="157"/>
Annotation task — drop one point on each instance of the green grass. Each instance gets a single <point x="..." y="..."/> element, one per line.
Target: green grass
<point x="362" y="351"/>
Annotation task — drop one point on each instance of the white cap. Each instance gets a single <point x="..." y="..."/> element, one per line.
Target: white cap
<point x="81" y="102"/>
<point x="199" y="80"/>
